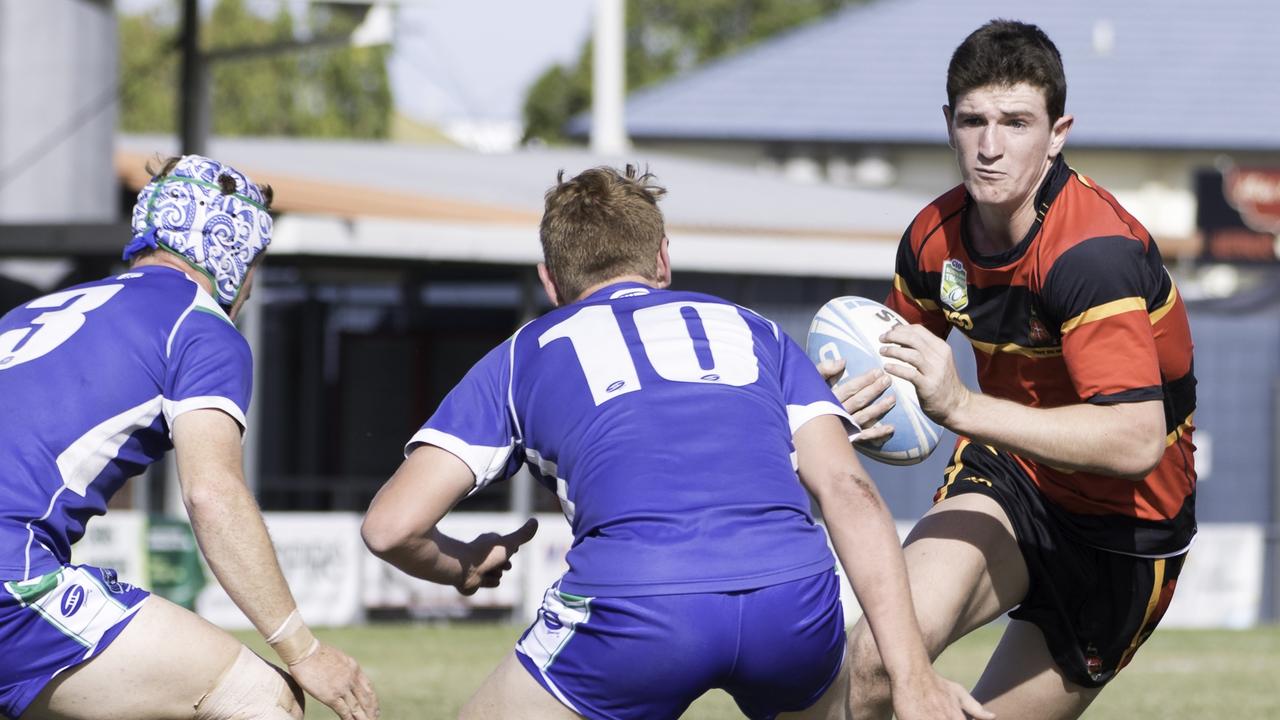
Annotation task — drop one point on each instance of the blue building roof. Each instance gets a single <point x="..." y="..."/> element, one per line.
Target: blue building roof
<point x="1172" y="74"/>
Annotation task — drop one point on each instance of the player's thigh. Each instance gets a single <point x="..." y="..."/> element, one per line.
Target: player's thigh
<point x="964" y="568"/>
<point x="834" y="703"/>
<point x="164" y="663"/>
<point x="511" y="692"/>
<point x="1022" y="680"/>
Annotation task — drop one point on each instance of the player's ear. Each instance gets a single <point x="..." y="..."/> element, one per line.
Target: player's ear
<point x="663" y="267"/>
<point x="1058" y="135"/>
<point x="548" y="284"/>
<point x="946" y="114"/>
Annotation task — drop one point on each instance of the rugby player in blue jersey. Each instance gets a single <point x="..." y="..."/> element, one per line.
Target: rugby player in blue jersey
<point x="96" y="383"/>
<point x="671" y="425"/>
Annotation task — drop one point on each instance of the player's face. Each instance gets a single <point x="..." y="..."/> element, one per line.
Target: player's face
<point x="1004" y="142"/>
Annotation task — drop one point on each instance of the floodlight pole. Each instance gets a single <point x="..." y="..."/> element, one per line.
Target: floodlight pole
<point x="609" y="79"/>
<point x="194" y="96"/>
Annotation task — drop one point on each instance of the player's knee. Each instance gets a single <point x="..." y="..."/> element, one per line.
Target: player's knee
<point x="251" y="689"/>
<point x="866" y="665"/>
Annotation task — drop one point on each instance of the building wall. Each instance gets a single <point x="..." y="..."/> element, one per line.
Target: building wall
<point x="57" y="111"/>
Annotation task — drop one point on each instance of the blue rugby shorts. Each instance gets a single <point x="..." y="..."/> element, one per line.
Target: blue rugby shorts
<point x="773" y="649"/>
<point x="54" y="622"/>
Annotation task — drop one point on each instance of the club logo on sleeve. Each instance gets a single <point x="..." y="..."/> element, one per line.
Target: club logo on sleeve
<point x="72" y="600"/>
<point x="955" y="285"/>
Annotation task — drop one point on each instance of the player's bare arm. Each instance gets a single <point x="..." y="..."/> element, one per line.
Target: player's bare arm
<point x="400" y="526"/>
<point x="866" y="543"/>
<point x="1123" y="440"/>
<point x="228" y="526"/>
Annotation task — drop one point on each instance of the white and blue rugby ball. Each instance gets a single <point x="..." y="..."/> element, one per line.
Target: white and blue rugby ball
<point x="849" y="328"/>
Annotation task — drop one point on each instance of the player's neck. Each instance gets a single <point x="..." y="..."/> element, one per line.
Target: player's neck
<point x="994" y="229"/>
<point x="614" y="281"/>
<point x="165" y="259"/>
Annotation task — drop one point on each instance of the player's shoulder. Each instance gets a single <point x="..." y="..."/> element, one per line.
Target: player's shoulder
<point x="943" y="210"/>
<point x="1087" y="214"/>
<point x="627" y="299"/>
<point x="157" y="290"/>
<point x="751" y="317"/>
<point x="199" y="318"/>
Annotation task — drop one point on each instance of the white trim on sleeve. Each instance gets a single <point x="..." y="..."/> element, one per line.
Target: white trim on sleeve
<point x="172" y="409"/>
<point x="485" y="461"/>
<point x="798" y="415"/>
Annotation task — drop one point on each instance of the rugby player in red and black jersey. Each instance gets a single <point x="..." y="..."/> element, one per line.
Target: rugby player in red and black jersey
<point x="1070" y="496"/>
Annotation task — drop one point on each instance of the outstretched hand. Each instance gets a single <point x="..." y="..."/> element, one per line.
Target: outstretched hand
<point x="930" y="696"/>
<point x="335" y="679"/>
<point x="491" y="557"/>
<point x="858" y="396"/>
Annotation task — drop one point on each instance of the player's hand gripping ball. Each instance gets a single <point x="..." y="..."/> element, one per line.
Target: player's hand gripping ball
<point x="849" y="328"/>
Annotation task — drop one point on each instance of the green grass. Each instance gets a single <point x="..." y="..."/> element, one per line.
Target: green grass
<point x="425" y="672"/>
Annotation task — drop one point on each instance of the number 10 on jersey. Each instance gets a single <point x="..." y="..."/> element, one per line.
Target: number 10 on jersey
<point x="669" y="335"/>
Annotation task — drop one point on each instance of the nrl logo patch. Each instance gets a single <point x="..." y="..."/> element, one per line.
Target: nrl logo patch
<point x="955" y="286"/>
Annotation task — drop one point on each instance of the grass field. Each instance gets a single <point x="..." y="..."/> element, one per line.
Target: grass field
<point x="425" y="672"/>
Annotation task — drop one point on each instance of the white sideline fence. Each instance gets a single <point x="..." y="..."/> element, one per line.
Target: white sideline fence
<point x="337" y="582"/>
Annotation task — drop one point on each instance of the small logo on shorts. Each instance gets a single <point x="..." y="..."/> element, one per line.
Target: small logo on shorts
<point x="1093" y="663"/>
<point x="552" y="620"/>
<point x="72" y="601"/>
<point x="113" y="582"/>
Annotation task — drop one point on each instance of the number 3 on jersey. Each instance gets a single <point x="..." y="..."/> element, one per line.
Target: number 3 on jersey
<point x="49" y="330"/>
<point x="667" y="336"/>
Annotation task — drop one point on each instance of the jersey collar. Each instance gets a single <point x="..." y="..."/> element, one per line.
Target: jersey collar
<point x="1053" y="183"/>
<point x="628" y="288"/>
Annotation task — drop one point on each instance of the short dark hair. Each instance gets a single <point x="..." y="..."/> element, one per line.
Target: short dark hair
<point x="600" y="225"/>
<point x="1008" y="52"/>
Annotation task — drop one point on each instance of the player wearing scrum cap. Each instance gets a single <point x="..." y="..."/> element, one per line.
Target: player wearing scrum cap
<point x="99" y="381"/>
<point x="672" y="425"/>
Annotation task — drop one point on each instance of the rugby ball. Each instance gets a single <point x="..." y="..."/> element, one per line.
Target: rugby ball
<point x="849" y="328"/>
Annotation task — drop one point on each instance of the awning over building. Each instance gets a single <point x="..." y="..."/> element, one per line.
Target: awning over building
<point x="382" y="200"/>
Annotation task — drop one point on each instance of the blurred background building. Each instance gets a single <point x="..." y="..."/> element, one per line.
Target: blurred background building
<point x="410" y="144"/>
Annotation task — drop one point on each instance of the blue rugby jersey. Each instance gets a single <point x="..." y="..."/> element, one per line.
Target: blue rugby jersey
<point x="91" y="379"/>
<point x="663" y="421"/>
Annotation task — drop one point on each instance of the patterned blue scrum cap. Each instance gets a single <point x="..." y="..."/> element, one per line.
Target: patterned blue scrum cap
<point x="187" y="213"/>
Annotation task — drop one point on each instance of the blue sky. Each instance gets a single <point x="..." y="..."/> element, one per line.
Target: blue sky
<point x="464" y="60"/>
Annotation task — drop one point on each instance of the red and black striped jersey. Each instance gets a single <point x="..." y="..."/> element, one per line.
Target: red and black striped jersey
<point x="1081" y="310"/>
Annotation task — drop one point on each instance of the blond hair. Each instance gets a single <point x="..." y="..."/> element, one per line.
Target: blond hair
<point x="600" y="225"/>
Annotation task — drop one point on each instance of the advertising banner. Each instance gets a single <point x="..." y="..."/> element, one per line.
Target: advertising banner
<point x="337" y="582"/>
<point x="1238" y="213"/>
<point x="321" y="555"/>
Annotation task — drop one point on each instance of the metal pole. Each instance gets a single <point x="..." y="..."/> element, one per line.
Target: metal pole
<point x="252" y="318"/>
<point x="193" y="102"/>
<point x="1271" y="566"/>
<point x="608" y="79"/>
<point x="523" y="486"/>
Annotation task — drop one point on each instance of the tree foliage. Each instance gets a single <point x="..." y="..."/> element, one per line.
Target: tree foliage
<point x="332" y="91"/>
<point x="664" y="38"/>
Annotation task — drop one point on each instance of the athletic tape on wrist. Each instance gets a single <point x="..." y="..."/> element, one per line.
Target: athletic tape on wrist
<point x="292" y="622"/>
<point x="293" y="641"/>
<point x="315" y="647"/>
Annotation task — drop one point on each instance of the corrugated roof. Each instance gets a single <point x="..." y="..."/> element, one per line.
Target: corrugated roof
<point x="1141" y="73"/>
